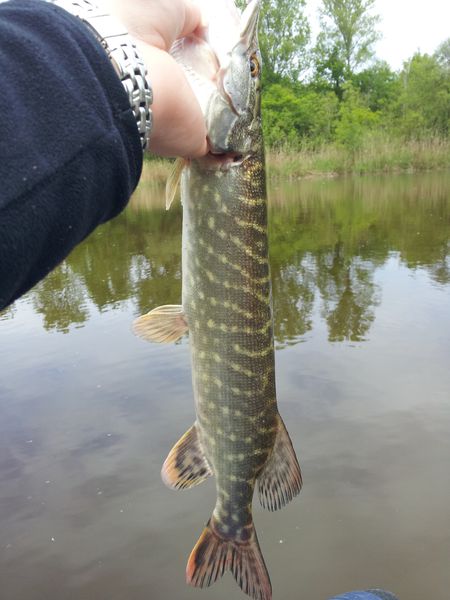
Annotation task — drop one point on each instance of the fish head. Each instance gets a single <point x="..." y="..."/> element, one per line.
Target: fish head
<point x="223" y="66"/>
<point x="233" y="117"/>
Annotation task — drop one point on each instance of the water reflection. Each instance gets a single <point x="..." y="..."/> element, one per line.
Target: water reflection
<point x="87" y="418"/>
<point x="327" y="240"/>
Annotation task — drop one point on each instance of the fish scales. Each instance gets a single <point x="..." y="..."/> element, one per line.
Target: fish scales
<point x="230" y="321"/>
<point x="238" y="436"/>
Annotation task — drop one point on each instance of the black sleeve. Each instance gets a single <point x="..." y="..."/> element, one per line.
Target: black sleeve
<point x="70" y="153"/>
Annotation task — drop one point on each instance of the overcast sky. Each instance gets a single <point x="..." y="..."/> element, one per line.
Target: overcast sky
<point x="406" y="26"/>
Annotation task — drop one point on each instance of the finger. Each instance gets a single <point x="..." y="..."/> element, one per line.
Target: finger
<point x="192" y="19"/>
<point x="178" y="123"/>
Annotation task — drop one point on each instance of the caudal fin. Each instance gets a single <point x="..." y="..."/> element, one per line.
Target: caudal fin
<point x="213" y="555"/>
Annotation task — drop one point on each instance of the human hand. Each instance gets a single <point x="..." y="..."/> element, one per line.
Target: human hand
<point x="178" y="123"/>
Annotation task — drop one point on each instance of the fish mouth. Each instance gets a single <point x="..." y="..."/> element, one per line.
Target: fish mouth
<point x="223" y="160"/>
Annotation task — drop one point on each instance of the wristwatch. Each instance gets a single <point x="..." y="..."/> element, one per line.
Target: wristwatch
<point x="124" y="57"/>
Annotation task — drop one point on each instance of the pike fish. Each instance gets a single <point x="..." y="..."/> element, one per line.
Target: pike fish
<point x="238" y="436"/>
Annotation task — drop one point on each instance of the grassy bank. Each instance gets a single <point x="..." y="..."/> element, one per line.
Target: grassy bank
<point x="376" y="155"/>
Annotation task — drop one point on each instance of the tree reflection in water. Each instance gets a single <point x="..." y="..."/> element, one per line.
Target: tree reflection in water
<point x="326" y="241"/>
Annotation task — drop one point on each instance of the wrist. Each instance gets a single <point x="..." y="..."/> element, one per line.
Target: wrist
<point x="124" y="56"/>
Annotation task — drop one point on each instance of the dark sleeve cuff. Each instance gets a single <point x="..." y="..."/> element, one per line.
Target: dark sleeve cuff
<point x="70" y="153"/>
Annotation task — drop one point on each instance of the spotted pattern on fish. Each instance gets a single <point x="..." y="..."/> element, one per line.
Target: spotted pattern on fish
<point x="226" y="267"/>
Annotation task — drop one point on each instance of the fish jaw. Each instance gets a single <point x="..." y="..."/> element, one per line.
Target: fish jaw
<point x="230" y="96"/>
<point x="200" y="66"/>
<point x="233" y="118"/>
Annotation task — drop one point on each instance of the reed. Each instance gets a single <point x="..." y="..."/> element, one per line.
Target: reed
<point x="377" y="154"/>
<point x="155" y="171"/>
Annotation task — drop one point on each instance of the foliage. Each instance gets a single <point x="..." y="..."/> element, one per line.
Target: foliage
<point x="442" y="55"/>
<point x="355" y="119"/>
<point x="379" y="86"/>
<point x="423" y="106"/>
<point x="349" y="28"/>
<point x="330" y="69"/>
<point x="293" y="114"/>
<point x="341" y="109"/>
<point x="283" y="38"/>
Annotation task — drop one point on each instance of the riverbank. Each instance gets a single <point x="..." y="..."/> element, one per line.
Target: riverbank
<point x="375" y="156"/>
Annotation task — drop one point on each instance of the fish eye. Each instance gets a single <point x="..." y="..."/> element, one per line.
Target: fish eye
<point x="254" y="66"/>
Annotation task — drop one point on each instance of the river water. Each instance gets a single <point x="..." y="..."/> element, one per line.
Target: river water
<point x="88" y="412"/>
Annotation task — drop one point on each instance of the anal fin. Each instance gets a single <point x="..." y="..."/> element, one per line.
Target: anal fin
<point x="163" y="324"/>
<point x="186" y="464"/>
<point x="281" y="479"/>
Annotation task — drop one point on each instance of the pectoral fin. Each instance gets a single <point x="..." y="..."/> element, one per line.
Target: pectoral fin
<point x="281" y="479"/>
<point x="186" y="464"/>
<point x="163" y="324"/>
<point x="173" y="180"/>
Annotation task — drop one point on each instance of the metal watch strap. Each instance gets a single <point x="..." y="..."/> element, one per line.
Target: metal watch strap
<point x="125" y="58"/>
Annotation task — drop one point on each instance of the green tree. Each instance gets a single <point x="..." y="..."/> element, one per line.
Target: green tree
<point x="330" y="69"/>
<point x="355" y="120"/>
<point x="292" y="113"/>
<point x="378" y="84"/>
<point x="283" y="38"/>
<point x="442" y="55"/>
<point x="349" y="28"/>
<point x="423" y="106"/>
<point x="281" y="108"/>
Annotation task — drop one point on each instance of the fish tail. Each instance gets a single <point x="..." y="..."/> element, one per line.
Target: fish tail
<point x="213" y="555"/>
